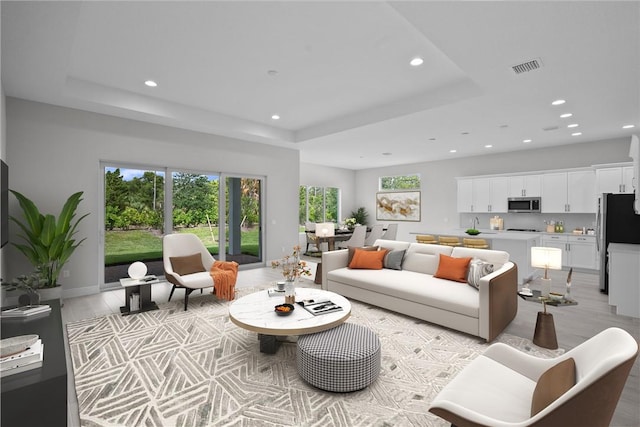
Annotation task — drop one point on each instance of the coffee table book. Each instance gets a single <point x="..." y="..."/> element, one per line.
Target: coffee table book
<point x="29" y="359"/>
<point x="25" y="311"/>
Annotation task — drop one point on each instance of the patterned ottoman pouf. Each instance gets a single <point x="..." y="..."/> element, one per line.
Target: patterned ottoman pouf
<point x="345" y="358"/>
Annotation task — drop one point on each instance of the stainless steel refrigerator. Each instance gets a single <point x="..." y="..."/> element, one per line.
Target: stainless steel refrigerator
<point x="617" y="223"/>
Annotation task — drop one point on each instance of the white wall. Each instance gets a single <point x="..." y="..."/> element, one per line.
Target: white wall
<point x="55" y="151"/>
<point x="439" y="188"/>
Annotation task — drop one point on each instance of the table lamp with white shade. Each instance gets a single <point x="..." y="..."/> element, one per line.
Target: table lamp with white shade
<point x="325" y="229"/>
<point x="547" y="258"/>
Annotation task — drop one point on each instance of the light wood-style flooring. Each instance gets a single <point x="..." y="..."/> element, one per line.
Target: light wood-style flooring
<point x="574" y="324"/>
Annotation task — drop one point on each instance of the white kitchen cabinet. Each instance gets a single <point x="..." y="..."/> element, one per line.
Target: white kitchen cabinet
<point x="581" y="192"/>
<point x="617" y="179"/>
<point x="556" y="241"/>
<point x="525" y="186"/>
<point x="624" y="270"/>
<point x="465" y="195"/>
<point x="569" y="192"/>
<point x="483" y="195"/>
<point x="554" y="192"/>
<point x="577" y="251"/>
<point x="581" y="252"/>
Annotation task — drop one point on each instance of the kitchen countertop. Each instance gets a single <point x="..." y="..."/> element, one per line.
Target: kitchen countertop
<point x="498" y="234"/>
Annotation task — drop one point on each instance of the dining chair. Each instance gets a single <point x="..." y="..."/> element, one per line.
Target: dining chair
<point x="391" y="232"/>
<point x="356" y="239"/>
<point x="377" y="230"/>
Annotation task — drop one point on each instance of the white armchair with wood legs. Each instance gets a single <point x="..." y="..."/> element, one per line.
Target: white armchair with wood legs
<point x="506" y="387"/>
<point x="187" y="263"/>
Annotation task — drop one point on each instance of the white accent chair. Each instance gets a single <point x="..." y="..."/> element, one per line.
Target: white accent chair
<point x="356" y="239"/>
<point x="391" y="232"/>
<point x="376" y="233"/>
<point x="181" y="245"/>
<point x="496" y="389"/>
<point x="310" y="233"/>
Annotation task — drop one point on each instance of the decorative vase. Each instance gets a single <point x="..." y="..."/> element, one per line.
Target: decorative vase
<point x="290" y="291"/>
<point x="51" y="293"/>
<point x="29" y="298"/>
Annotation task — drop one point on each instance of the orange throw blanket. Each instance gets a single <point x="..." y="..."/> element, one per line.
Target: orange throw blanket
<point x="224" y="274"/>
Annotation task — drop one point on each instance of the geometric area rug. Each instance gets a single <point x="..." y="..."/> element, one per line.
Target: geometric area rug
<point x="169" y="367"/>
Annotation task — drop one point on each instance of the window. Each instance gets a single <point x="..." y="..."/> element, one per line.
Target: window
<point x="319" y="204"/>
<point x="400" y="182"/>
<point x="224" y="211"/>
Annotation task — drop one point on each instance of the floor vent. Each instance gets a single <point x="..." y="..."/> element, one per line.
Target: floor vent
<point x="525" y="67"/>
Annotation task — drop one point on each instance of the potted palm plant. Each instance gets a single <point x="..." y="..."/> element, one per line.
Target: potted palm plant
<point x="48" y="241"/>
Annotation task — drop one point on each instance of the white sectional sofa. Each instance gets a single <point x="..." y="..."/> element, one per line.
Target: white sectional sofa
<point x="483" y="312"/>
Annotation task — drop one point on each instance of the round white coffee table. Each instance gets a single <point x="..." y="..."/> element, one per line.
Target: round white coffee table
<point x="255" y="312"/>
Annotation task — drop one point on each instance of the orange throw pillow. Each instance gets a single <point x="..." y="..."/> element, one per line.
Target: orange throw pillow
<point x="371" y="260"/>
<point x="451" y="268"/>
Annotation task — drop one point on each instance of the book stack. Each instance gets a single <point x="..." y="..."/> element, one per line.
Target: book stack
<point x="134" y="302"/>
<point x="26" y="311"/>
<point x="28" y="359"/>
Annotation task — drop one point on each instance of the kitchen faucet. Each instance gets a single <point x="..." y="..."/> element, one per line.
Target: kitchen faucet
<point x="474" y="222"/>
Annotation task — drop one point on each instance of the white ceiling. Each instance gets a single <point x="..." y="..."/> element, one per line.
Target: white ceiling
<point x="337" y="72"/>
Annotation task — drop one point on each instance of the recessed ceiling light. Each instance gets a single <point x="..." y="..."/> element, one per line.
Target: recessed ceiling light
<point x="272" y="72"/>
<point x="628" y="126"/>
<point x="453" y="151"/>
<point x="488" y="146"/>
<point x="572" y="125"/>
<point x="565" y="115"/>
<point x="526" y="141"/>
<point x="151" y="83"/>
<point x="275" y="117"/>
<point x="417" y="61"/>
<point x="558" y="102"/>
<point x="576" y="134"/>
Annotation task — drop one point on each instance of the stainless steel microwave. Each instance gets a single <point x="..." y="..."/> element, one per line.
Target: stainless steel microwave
<point x="523" y="204"/>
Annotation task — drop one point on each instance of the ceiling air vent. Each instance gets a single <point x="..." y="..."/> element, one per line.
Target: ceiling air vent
<point x="550" y="128"/>
<point x="527" y="66"/>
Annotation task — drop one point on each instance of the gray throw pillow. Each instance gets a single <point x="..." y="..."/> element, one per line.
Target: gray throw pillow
<point x="393" y="259"/>
<point x="478" y="269"/>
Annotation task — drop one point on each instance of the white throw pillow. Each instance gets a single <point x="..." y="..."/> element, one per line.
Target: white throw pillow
<point x="477" y="269"/>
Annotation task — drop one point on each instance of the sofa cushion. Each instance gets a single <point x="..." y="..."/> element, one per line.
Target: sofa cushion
<point x="452" y="268"/>
<point x="188" y="264"/>
<point x="371" y="260"/>
<point x="416" y="287"/>
<point x="352" y="251"/>
<point x="391" y="244"/>
<point x="424" y="258"/>
<point x="393" y="259"/>
<point x="477" y="269"/>
<point x="497" y="258"/>
<point x="552" y="384"/>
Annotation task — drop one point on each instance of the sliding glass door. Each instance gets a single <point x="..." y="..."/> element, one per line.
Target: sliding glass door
<point x="133" y="219"/>
<point x="243" y="228"/>
<point x="140" y="207"/>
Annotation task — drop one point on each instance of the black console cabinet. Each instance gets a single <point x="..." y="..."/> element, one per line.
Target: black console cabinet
<point x="37" y="397"/>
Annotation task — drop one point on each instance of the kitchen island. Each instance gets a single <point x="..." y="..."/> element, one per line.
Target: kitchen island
<point x="518" y="244"/>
